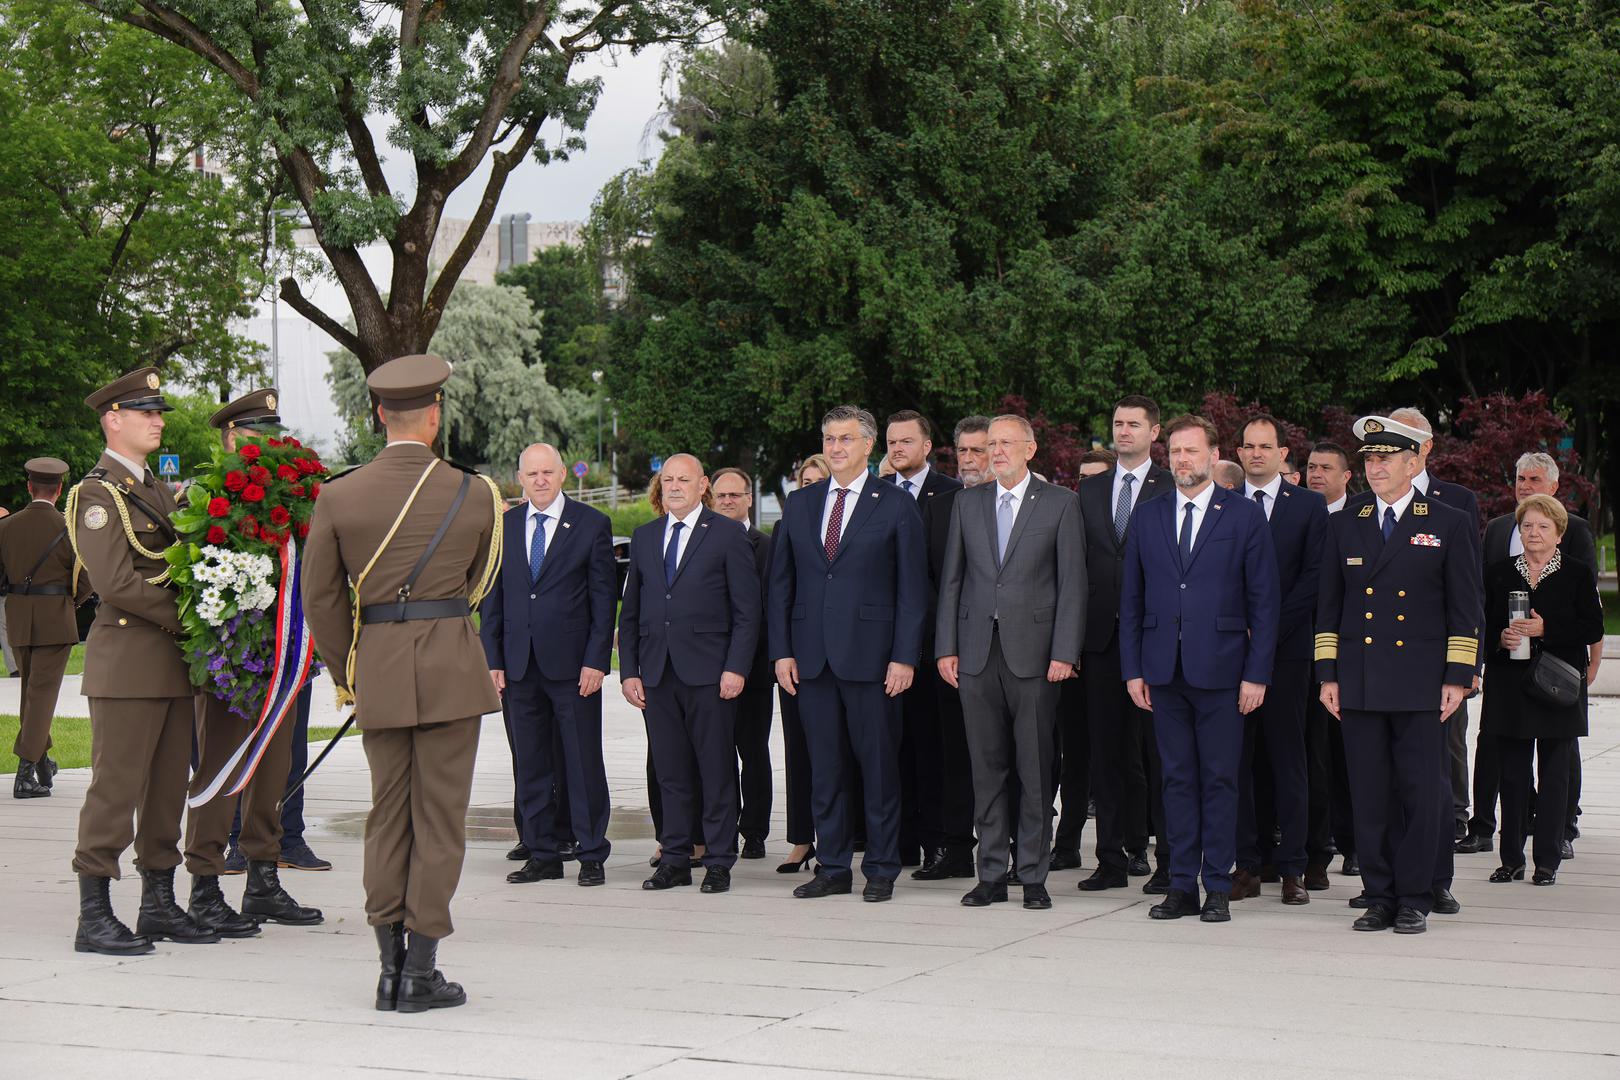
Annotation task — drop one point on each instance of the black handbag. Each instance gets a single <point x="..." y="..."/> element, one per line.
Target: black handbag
<point x="1553" y="681"/>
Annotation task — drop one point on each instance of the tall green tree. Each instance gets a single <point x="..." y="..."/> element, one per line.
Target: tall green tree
<point x="564" y="284"/>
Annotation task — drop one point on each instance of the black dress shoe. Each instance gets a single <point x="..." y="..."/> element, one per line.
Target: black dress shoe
<point x="1064" y="858"/>
<point x="949" y="864"/>
<point x="1174" y="905"/>
<point x="536" y="870"/>
<point x="752" y="848"/>
<point x="1217" y="908"/>
<point x="825" y="885"/>
<point x="1158" y="884"/>
<point x="1360" y="901"/>
<point x="421" y="985"/>
<point x="716" y="879"/>
<point x="878" y="890"/>
<point x="1377" y="918"/>
<point x="1566" y="849"/>
<point x="163" y="919"/>
<point x="567" y="850"/>
<point x="1504" y="874"/>
<point x="266" y="901"/>
<point x="1352" y="866"/>
<point x="1410" y="921"/>
<point x="1444" y="904"/>
<point x="1544" y="877"/>
<point x="1472" y="844"/>
<point x="1036" y="898"/>
<point x="986" y="893"/>
<point x="1104" y="877"/>
<point x="209" y="909"/>
<point x="1137" y="865"/>
<point x="668" y="877"/>
<point x="99" y="929"/>
<point x="519" y="853"/>
<point x="591" y="873"/>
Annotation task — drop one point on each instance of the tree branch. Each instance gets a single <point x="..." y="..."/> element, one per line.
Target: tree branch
<point x="172" y="26"/>
<point x="339" y="333"/>
<point x="365" y="148"/>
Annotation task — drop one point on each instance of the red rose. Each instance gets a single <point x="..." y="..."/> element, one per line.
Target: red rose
<point x="249" y="527"/>
<point x="259" y="474"/>
<point x="279" y="515"/>
<point x="235" y="480"/>
<point x="219" y="506"/>
<point x="250" y="452"/>
<point x="271" y="536"/>
<point x="297" y="490"/>
<point x="315" y="490"/>
<point x="303" y="531"/>
<point x="216" y="535"/>
<point x="287" y="472"/>
<point x="294" y="442"/>
<point x="253" y="493"/>
<point x="273" y="442"/>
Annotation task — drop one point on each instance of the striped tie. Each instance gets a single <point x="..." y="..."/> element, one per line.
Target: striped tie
<point x="1122" y="509"/>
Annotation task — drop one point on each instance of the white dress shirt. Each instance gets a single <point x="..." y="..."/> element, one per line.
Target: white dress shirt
<point x="916" y="482"/>
<point x="1200" y="505"/>
<point x="1338" y="504"/>
<point x="1140" y="472"/>
<point x="1399" y="505"/>
<point x="137" y="470"/>
<point x="531" y="519"/>
<point x="1272" y="490"/>
<point x="1017" y="491"/>
<point x="1420" y="482"/>
<point x="856" y="486"/>
<point x="689" y="522"/>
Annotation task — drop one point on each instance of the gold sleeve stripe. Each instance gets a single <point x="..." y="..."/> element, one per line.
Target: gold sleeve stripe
<point x="1327" y="646"/>
<point x="1462" y="650"/>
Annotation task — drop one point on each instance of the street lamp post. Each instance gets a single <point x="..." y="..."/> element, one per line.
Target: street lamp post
<point x="596" y="377"/>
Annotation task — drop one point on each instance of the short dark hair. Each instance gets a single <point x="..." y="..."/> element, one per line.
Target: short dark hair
<point x="908" y="415"/>
<point x="1266" y="418"/>
<point x="44" y="490"/>
<point x="732" y="470"/>
<point x="1326" y="447"/>
<point x="1139" y="401"/>
<point x="970" y="425"/>
<point x="1192" y="420"/>
<point x="1099" y="457"/>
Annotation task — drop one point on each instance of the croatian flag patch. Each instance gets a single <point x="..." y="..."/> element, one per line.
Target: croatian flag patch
<point x="1426" y="540"/>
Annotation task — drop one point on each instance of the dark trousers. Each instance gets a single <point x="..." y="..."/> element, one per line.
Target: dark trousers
<point x="655" y="798"/>
<point x="1457" y="766"/>
<point x="1200" y="735"/>
<point x="1011" y="732"/>
<point x="753" y="747"/>
<point x="1074" y="757"/>
<point x="1551" y="793"/>
<point x="542" y="712"/>
<point x="853" y="728"/>
<point x="292" y="809"/>
<point x="919" y="763"/>
<point x="1280" y="723"/>
<point x="1445" y="852"/>
<point x="801" y="822"/>
<point x="692" y="734"/>
<point x="1487" y="784"/>
<point x="1126" y="779"/>
<point x="563" y="829"/>
<point x="1332" y="824"/>
<point x="1398" y="774"/>
<point x="954" y="824"/>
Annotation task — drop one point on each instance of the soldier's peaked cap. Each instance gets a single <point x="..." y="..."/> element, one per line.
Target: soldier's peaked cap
<point x="45" y="470"/>
<point x="256" y="409"/>
<point x="138" y="391"/>
<point x="1381" y="435"/>
<point x="410" y="382"/>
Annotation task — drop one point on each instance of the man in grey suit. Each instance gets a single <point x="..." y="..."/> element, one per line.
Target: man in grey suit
<point x="1012" y="616"/>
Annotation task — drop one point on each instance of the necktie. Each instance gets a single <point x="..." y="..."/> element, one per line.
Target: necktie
<point x="835" y="522"/>
<point x="537" y="547"/>
<point x="1389" y="521"/>
<point x="1004" y="524"/>
<point x="1122" y="509"/>
<point x="672" y="552"/>
<point x="1186" y="533"/>
<point x="908" y="485"/>
<point x="1260" y="497"/>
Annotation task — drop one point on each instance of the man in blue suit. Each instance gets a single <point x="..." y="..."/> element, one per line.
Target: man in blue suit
<point x="1198" y="613"/>
<point x="1298" y="519"/>
<point x="847" y="601"/>
<point x="548" y="635"/>
<point x="687" y="632"/>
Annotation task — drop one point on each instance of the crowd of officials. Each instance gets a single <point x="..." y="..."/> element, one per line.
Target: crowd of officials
<point x="1234" y="678"/>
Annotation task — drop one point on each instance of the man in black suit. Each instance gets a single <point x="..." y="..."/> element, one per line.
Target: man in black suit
<point x="848" y="596"/>
<point x="687" y="631"/>
<point x="547" y="629"/>
<point x="953" y="776"/>
<point x="909" y="439"/>
<point x="1327" y="472"/>
<point x="1125" y="772"/>
<point x="733" y="494"/>
<point x="1535" y="473"/>
<point x="1298" y="522"/>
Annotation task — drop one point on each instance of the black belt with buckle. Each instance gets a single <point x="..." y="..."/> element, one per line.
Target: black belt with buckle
<point x="415" y="610"/>
<point x="37" y="590"/>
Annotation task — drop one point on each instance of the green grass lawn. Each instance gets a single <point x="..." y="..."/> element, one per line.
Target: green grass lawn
<point x="1611" y="612"/>
<point x="71" y="736"/>
<point x="75" y="661"/>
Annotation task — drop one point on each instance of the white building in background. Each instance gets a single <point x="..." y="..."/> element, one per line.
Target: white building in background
<point x="295" y="349"/>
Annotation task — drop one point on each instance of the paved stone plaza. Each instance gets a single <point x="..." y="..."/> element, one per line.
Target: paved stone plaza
<point x="615" y="982"/>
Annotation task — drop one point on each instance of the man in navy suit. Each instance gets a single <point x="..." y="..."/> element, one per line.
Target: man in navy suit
<point x="687" y="632"/>
<point x="848" y="597"/>
<point x="1298" y="519"/>
<point x="548" y="635"/>
<point x="1198" y="613"/>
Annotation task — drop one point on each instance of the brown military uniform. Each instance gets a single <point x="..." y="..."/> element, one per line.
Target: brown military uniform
<point x="39" y="611"/>
<point x="141" y="709"/>
<point x="420" y="685"/>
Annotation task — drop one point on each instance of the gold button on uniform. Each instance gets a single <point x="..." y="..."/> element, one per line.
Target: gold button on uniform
<point x="1398" y="644"/>
<point x="123" y="622"/>
<point x="1369" y="590"/>
<point x="1367" y="640"/>
<point x="1400" y="592"/>
<point x="1369" y="614"/>
<point x="1400" y="618"/>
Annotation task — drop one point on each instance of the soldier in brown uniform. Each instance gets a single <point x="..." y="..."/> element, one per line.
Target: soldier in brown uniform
<point x="416" y="538"/>
<point x="135" y="677"/>
<point x="219" y="733"/>
<point x="36" y="561"/>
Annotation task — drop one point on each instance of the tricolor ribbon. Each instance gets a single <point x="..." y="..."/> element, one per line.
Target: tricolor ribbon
<point x="289" y="670"/>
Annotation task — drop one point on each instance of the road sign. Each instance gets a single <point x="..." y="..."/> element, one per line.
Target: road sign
<point x="657" y="463"/>
<point x="168" y="464"/>
<point x="580" y="469"/>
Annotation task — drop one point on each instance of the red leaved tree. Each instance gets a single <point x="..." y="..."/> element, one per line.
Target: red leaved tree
<point x="1488" y="436"/>
<point x="1058" y="446"/>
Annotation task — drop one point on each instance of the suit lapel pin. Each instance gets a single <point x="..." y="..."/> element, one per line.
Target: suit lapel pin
<point x="566" y="525"/>
<point x="874" y="494"/>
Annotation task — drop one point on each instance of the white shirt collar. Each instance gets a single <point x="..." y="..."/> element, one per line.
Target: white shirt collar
<point x="1400" y="505"/>
<point x="407" y="442"/>
<point x="1421" y="482"/>
<point x="856" y="486"/>
<point x="916" y="481"/>
<point x="1140" y="472"/>
<point x="1018" y="490"/>
<point x="137" y="470"/>
<point x="1338" y="504"/>
<point x="1201" y="500"/>
<point x="553" y="509"/>
<point x="48" y="502"/>
<point x="690" y="520"/>
<point x="1272" y="490"/>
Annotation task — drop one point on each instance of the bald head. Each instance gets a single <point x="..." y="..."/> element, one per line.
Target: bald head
<point x="682" y="484"/>
<point x="541" y="474"/>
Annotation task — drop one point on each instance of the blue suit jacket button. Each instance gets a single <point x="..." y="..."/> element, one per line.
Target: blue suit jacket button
<point x="1183" y="584"/>
<point x="531" y="596"/>
<point x="829" y="577"/>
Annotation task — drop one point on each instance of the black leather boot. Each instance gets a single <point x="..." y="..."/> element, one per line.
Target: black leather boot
<point x="162" y="918"/>
<point x="266" y="901"/>
<point x="421" y="987"/>
<point x="99" y="929"/>
<point x="391" y="951"/>
<point x="46" y="770"/>
<point x="209" y="909"/>
<point x="27" y="785"/>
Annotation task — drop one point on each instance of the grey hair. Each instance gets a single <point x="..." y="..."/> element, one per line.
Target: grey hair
<point x="1412" y="417"/>
<point x="970" y="425"/>
<point x="1535" y="459"/>
<point x="1023" y="424"/>
<point x="841" y="414"/>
